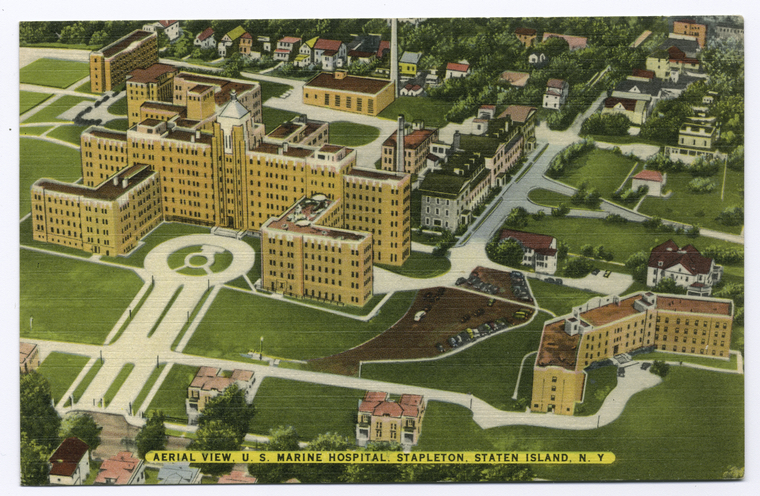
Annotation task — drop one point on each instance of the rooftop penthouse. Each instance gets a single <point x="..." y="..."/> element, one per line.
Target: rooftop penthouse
<point x="304" y="217"/>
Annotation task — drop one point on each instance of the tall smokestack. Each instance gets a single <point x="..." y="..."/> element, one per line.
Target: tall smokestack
<point x="394" y="54"/>
<point x="400" y="145"/>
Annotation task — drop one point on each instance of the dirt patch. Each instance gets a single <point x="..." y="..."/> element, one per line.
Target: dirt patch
<point x="446" y="308"/>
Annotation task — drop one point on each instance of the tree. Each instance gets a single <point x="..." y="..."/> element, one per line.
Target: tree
<point x="659" y="368"/>
<point x="280" y="439"/>
<point x="518" y="217"/>
<point x="562" y="250"/>
<point x="152" y="437"/>
<point x="231" y="409"/>
<point x="232" y="66"/>
<point x="215" y="436"/>
<point x="578" y="267"/>
<point x="326" y="473"/>
<point x="39" y="418"/>
<point x="509" y="252"/>
<point x="34" y="463"/>
<point x="82" y="426"/>
<point x="668" y="285"/>
<point x="368" y="473"/>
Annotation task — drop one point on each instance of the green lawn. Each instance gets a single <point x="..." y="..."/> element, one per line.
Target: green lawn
<point x="177" y="259"/>
<point x="698" y="208"/>
<point x="82" y="387"/>
<point x="147" y="387"/>
<point x="118" y="382"/>
<point x="688" y="427"/>
<point x="60" y="370"/>
<point x="40" y="159"/>
<point x="55" y="73"/>
<point x="600" y="169"/>
<point x="429" y="110"/>
<point x="255" y="273"/>
<point x="117" y="124"/>
<point x="119" y="107"/>
<point x="488" y="369"/>
<point x="72" y="300"/>
<point x="349" y="309"/>
<point x="621" y="239"/>
<point x="191" y="318"/>
<point x="165" y="311"/>
<point x="425" y="238"/>
<point x="552" y="199"/>
<point x="29" y="99"/>
<point x="235" y="322"/>
<point x="270" y="89"/>
<point x="33" y="130"/>
<point x="137" y="308"/>
<point x="170" y="398"/>
<point x="164" y="232"/>
<point x="284" y="402"/>
<point x="221" y="261"/>
<point x="558" y="299"/>
<point x="349" y="134"/>
<point x="70" y="134"/>
<point x="626" y="140"/>
<point x="420" y="265"/>
<point x="59" y="106"/>
<point x="695" y="359"/>
<point x="85" y="88"/>
<point x="26" y="239"/>
<point x="274" y="117"/>
<point x="151" y="476"/>
<point x="599" y="383"/>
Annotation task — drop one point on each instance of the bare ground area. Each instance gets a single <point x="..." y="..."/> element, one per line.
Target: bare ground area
<point x="118" y="435"/>
<point x="448" y="312"/>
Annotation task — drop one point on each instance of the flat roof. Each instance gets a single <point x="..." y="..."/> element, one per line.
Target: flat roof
<point x="102" y="133"/>
<point x="292" y="151"/>
<point x="106" y="191"/>
<point x="353" y="84"/>
<point x="611" y="312"/>
<point x="558" y="348"/>
<point x="301" y="218"/>
<point x="150" y="74"/>
<point x="677" y="304"/>
<point x="125" y="42"/>
<point x="375" y="174"/>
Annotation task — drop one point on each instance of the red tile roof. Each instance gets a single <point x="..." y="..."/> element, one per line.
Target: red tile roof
<point x="693" y="305"/>
<point x="574" y="42"/>
<point x="376" y="403"/>
<point x="205" y="34"/>
<point x="118" y="469"/>
<point x="166" y="24"/>
<point x="411" y="140"/>
<point x="525" y="31"/>
<point x="649" y="175"/>
<point x="247" y="36"/>
<point x="451" y="66"/>
<point x="384" y="45"/>
<point x="290" y="39"/>
<point x="353" y="84"/>
<point x="324" y="44"/>
<point x="669" y="255"/>
<point x="555" y="83"/>
<point x="540" y="243"/>
<point x="643" y="73"/>
<point x="68" y="455"/>
<point x="627" y="103"/>
<point x="236" y="477"/>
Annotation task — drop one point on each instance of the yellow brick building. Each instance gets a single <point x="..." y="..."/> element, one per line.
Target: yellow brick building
<point x="380" y="420"/>
<point x="339" y="91"/>
<point x="304" y="255"/>
<point x="109" y="219"/>
<point x="153" y="83"/>
<point x="110" y="65"/>
<point x="209" y="382"/>
<point x="417" y="145"/>
<point x="606" y="327"/>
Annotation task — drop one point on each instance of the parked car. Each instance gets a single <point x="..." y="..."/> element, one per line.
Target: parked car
<point x="490" y="302"/>
<point x="452" y="342"/>
<point x="464" y="337"/>
<point x="440" y="348"/>
<point x="621" y="372"/>
<point x="460" y="281"/>
<point x="595" y="272"/>
<point x="465" y="318"/>
<point x="550" y="280"/>
<point x="645" y="365"/>
<point x="419" y="315"/>
<point x="516" y="274"/>
<point x="607" y="274"/>
<point x="479" y="312"/>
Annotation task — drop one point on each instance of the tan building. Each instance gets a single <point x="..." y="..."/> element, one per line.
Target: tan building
<point x="301" y="131"/>
<point x="152" y="83"/>
<point x="209" y="382"/>
<point x="28" y="357"/>
<point x="417" y="144"/>
<point x="527" y="36"/>
<point x="689" y="27"/>
<point x="380" y="420"/>
<point x="109" y="219"/>
<point x="110" y="65"/>
<point x="339" y="91"/>
<point x="606" y="327"/>
<point x="305" y="255"/>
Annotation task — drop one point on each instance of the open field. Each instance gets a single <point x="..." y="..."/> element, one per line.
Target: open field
<point x="283" y="402"/>
<point x="431" y="111"/>
<point x="117" y="124"/>
<point x="420" y="265"/>
<point x="547" y="198"/>
<point x="60" y="370"/>
<point x="164" y="232"/>
<point x="40" y="159"/>
<point x="558" y="299"/>
<point x="52" y="111"/>
<point x="488" y="369"/>
<point x="350" y="134"/>
<point x="170" y="398"/>
<point x="29" y="99"/>
<point x="235" y="322"/>
<point x="55" y="73"/>
<point x="33" y="130"/>
<point x="603" y="170"/>
<point x="72" y="300"/>
<point x="71" y="134"/>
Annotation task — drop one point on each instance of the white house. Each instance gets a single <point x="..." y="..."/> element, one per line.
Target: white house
<point x="539" y="250"/>
<point x="686" y="266"/>
<point x="537" y="59"/>
<point x="171" y="29"/>
<point x="205" y="39"/>
<point x="455" y="70"/>
<point x="654" y="180"/>
<point x="556" y="94"/>
<point x="331" y="54"/>
<point x="70" y="463"/>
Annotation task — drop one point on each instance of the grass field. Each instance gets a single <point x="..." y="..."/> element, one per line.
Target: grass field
<point x="29" y="99"/>
<point x="432" y="112"/>
<point x="177" y="259"/>
<point x="119" y="107"/>
<point x="552" y="199"/>
<point x="70" y="134"/>
<point x="117" y="124"/>
<point x="117" y="383"/>
<point x="191" y="319"/>
<point x="147" y="387"/>
<point x="33" y="130"/>
<point x="425" y="238"/>
<point x="52" y="111"/>
<point x="688" y="427"/>
<point x="137" y="308"/>
<point x="626" y="140"/>
<point x="60" y="370"/>
<point x="85" y="88"/>
<point x="695" y="359"/>
<point x="349" y="309"/>
<point x="599" y="383"/>
<point x="26" y="239"/>
<point x="55" y="73"/>
<point x="274" y="117"/>
<point x="82" y="387"/>
<point x="40" y="159"/>
<point x="163" y="232"/>
<point x="270" y="89"/>
<point x="72" y="300"/>
<point x="698" y="208"/>
<point x="488" y="369"/>
<point x="235" y="322"/>
<point x="349" y="134"/>
<point x="170" y="398"/>
<point x="255" y="273"/>
<point x="284" y="402"/>
<point x="600" y="169"/>
<point x="558" y="299"/>
<point x="420" y="265"/>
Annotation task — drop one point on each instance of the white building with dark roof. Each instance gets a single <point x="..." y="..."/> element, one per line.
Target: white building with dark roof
<point x="539" y="250"/>
<point x="686" y="266"/>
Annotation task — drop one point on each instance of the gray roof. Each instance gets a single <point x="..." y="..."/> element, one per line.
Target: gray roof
<point x="411" y="57"/>
<point x="177" y="473"/>
<point x="689" y="47"/>
<point x="642" y="87"/>
<point x="234" y="109"/>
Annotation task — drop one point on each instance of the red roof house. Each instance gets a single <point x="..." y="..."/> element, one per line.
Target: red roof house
<point x="70" y="463"/>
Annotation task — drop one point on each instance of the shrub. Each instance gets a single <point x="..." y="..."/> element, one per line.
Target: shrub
<point x="538" y="215"/>
<point x="561" y="211"/>
<point x="701" y="185"/>
<point x="731" y="256"/>
<point x="653" y="223"/>
<point x="731" y="216"/>
<point x="518" y="217"/>
<point x="638" y="258"/>
<point x="587" y="251"/>
<point x="564" y="158"/>
<point x="704" y="167"/>
<point x="661" y="162"/>
<point x="615" y="219"/>
<point x="736" y="159"/>
<point x="607" y="124"/>
<point x="578" y="267"/>
<point x="659" y="368"/>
